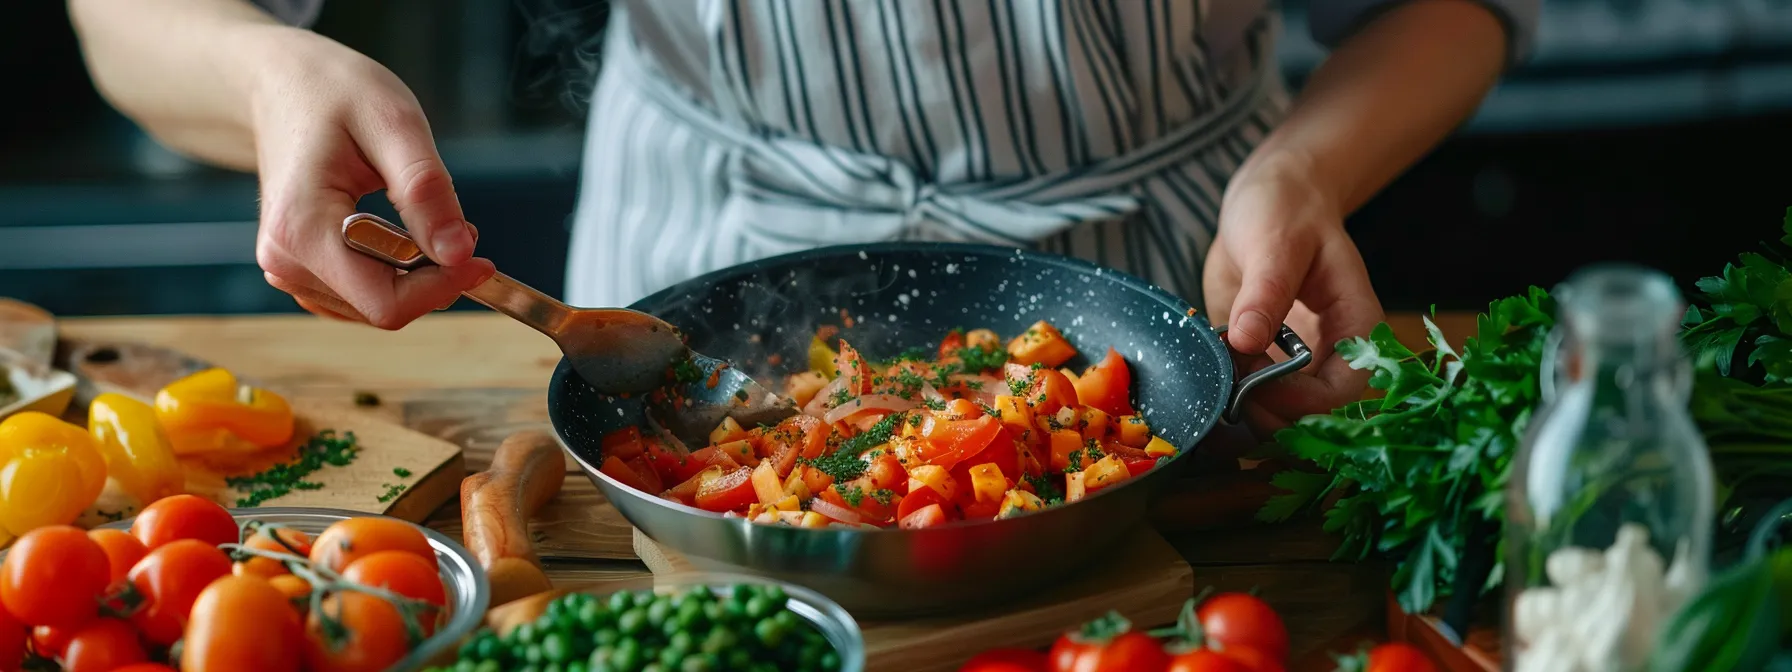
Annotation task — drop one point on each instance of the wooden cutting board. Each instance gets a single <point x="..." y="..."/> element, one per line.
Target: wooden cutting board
<point x="434" y="467"/>
<point x="1150" y="591"/>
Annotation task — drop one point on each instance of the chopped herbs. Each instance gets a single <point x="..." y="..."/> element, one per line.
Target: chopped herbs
<point x="686" y="371"/>
<point x="1076" y="461"/>
<point x="915" y="354"/>
<point x="852" y="495"/>
<point x="884" y="496"/>
<point x="1045" y="488"/>
<point x="978" y="360"/>
<point x="878" y="435"/>
<point x="326" y="448"/>
<point x="1018" y="387"/>
<point x="401" y="472"/>
<point x="841" y="396"/>
<point x="391" y="493"/>
<point x="1092" y="449"/>
<point x="933" y="405"/>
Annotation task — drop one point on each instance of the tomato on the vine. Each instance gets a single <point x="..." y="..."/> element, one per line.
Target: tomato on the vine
<point x="355" y="632"/>
<point x="122" y="551"/>
<point x="1207" y="660"/>
<point x="402" y="573"/>
<point x="281" y="540"/>
<point x="242" y="623"/>
<point x="184" y="517"/>
<point x="1239" y="620"/>
<point x="1006" y="660"/>
<point x="102" y="646"/>
<point x="169" y="579"/>
<point x="1399" y="657"/>
<point x="54" y="575"/>
<point x="346" y="541"/>
<point x="1107" y="644"/>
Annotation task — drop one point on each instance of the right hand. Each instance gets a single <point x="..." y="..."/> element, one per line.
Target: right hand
<point x="332" y="126"/>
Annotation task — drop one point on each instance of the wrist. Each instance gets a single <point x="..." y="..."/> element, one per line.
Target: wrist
<point x="1289" y="171"/>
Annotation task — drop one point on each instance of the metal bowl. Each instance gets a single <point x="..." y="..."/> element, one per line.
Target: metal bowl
<point x="902" y="295"/>
<point x="468" y="594"/>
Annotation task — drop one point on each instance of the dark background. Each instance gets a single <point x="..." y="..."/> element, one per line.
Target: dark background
<point x="1643" y="130"/>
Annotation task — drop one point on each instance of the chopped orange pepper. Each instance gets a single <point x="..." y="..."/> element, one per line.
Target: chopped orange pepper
<point x="209" y="412"/>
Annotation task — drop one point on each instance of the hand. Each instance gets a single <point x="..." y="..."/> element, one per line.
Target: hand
<point x="332" y="126"/>
<point x="1282" y="257"/>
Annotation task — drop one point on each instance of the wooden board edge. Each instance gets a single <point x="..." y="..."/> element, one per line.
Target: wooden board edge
<point x="431" y="491"/>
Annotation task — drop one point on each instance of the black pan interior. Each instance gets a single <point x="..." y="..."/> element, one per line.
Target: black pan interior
<point x="899" y="296"/>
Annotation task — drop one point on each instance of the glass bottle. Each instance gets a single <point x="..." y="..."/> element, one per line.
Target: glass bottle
<point x="1610" y="503"/>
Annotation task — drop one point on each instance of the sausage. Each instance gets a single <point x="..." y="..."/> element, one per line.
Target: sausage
<point x="496" y="505"/>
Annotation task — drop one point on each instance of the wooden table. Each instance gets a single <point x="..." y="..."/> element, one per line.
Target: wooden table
<point x="473" y="378"/>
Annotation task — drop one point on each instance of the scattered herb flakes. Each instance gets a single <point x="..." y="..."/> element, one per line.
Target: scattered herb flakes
<point x="884" y="496"/>
<point x="853" y="496"/>
<point x="978" y="360"/>
<point x="686" y="371"/>
<point x="366" y="399"/>
<point x="325" y="448"/>
<point x="878" y="435"/>
<point x="1045" y="488"/>
<point x="401" y="472"/>
<point x="392" y="491"/>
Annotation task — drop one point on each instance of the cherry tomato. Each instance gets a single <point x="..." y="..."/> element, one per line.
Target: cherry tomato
<point x="1207" y="660"/>
<point x="296" y="590"/>
<point x="122" y="551"/>
<point x="49" y="642"/>
<point x="101" y="646"/>
<point x="368" y="634"/>
<point x="1107" y="386"/>
<point x="54" y="575"/>
<point x="1239" y="620"/>
<point x="242" y="623"/>
<point x="146" y="667"/>
<point x="402" y="573"/>
<point x="1006" y="660"/>
<point x="346" y="541"/>
<point x="1399" y="657"/>
<point x="1125" y="652"/>
<point x="12" y="641"/>
<point x="170" y="578"/>
<point x="184" y="517"/>
<point x="288" y="542"/>
<point x="1255" y="660"/>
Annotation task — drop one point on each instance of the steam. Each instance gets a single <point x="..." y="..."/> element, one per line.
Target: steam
<point x="561" y="51"/>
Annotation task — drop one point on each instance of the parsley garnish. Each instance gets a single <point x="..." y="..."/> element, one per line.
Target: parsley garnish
<point x="1045" y="488"/>
<point x="401" y="472"/>
<point x="915" y="354"/>
<point x="884" y="496"/>
<point x="326" y="448"/>
<point x="934" y="404"/>
<point x="686" y="371"/>
<point x="844" y="464"/>
<point x="978" y="360"/>
<point x="392" y="491"/>
<point x="841" y="396"/>
<point x="853" y="495"/>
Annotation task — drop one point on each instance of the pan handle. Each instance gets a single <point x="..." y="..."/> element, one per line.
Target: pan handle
<point x="1299" y="355"/>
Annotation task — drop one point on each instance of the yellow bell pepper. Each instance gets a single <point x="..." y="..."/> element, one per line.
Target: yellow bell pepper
<point x="821" y="358"/>
<point x="137" y="453"/>
<point x="50" y="471"/>
<point x="209" y="412"/>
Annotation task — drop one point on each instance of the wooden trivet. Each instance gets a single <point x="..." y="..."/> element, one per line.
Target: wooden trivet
<point x="1149" y="583"/>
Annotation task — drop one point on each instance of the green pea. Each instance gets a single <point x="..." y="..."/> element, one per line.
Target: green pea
<point x="632" y="622"/>
<point x="759" y="607"/>
<point x="654" y="667"/>
<point x="554" y="609"/>
<point x="830" y="661"/>
<point x="553" y="667"/>
<point x="601" y="656"/>
<point x="682" y="641"/>
<point x="463" y="665"/>
<point x="605" y="637"/>
<point x="487" y="647"/>
<point x="658" y="612"/>
<point x="670" y="627"/>
<point x="702" y="593"/>
<point x="740" y="659"/>
<point x="776" y="594"/>
<point x="621" y="601"/>
<point x="690" y="616"/>
<point x="576" y="666"/>
<point x="523" y="634"/>
<point x="714" y="612"/>
<point x="532" y="655"/>
<point x="770" y="632"/>
<point x="734" y="611"/>
<point x="627" y="655"/>
<point x="787" y="618"/>
<point x="765" y="667"/>
<point x="488" y="665"/>
<point x="719" y="641"/>
<point x="701" y="662"/>
<point x="556" y="647"/>
<point x="591" y="615"/>
<point x="528" y="668"/>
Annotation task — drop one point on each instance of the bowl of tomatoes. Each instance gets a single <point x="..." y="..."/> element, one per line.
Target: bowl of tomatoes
<point x="189" y="584"/>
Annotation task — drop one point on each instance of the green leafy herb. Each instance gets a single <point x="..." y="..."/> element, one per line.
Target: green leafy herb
<point x="686" y="371"/>
<point x="852" y="495"/>
<point x="1427" y="461"/>
<point x="845" y="464"/>
<point x="914" y="354"/>
<point x="1045" y="488"/>
<point x="978" y="360"/>
<point x="391" y="493"/>
<point x="884" y="496"/>
<point x="326" y="448"/>
<point x="401" y="472"/>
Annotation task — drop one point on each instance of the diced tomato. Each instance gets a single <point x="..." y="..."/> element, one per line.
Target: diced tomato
<point x="868" y="509"/>
<point x="982" y="510"/>
<point x="624" y="443"/>
<point x="927" y="516"/>
<point x="687" y="491"/>
<point x="853" y="367"/>
<point x="665" y="459"/>
<point x="733" y="490"/>
<point x="1137" y="461"/>
<point x="1136" y="467"/>
<point x="617" y="469"/>
<point x="948" y="442"/>
<point x="951" y="344"/>
<point x="649" y="478"/>
<point x="816" y="479"/>
<point x="865" y="420"/>
<point x="705" y="458"/>
<point x="963" y="409"/>
<point x="797" y="436"/>
<point x="917" y="500"/>
<point x="1003" y="452"/>
<point x="1107" y="385"/>
<point x="886" y="473"/>
<point x="1045" y="389"/>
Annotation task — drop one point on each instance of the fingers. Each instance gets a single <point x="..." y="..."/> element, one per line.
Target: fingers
<point x="397" y="143"/>
<point x="1267" y="290"/>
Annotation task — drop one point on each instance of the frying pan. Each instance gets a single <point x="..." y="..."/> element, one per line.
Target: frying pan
<point x="898" y="296"/>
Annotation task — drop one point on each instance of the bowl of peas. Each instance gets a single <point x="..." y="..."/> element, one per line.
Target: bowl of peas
<point x="697" y="622"/>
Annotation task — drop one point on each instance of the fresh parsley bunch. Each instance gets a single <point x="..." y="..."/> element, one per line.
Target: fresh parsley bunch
<point x="1422" y="465"/>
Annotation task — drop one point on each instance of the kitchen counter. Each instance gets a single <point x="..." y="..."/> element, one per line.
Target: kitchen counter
<point x="475" y="378"/>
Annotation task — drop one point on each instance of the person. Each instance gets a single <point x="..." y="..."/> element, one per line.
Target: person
<point x="1153" y="136"/>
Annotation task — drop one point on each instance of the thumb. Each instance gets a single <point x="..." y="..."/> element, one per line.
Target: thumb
<point x="401" y="149"/>
<point x="1266" y="292"/>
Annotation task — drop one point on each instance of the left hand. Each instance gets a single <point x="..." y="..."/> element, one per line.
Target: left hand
<point x="1282" y="257"/>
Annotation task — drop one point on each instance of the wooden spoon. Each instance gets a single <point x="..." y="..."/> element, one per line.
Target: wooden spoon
<point x="496" y="505"/>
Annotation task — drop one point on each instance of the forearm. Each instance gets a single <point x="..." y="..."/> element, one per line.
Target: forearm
<point x="179" y="68"/>
<point x="1387" y="96"/>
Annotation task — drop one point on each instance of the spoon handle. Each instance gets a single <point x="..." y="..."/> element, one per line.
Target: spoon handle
<point x="385" y="241"/>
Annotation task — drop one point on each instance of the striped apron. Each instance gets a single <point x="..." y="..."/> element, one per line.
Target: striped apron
<point x="1101" y="129"/>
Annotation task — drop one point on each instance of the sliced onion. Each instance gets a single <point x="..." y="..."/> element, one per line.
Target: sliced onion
<point x="930" y="394"/>
<point x="834" y="511"/>
<point x="869" y="402"/>
<point x="984" y="389"/>
<point x="818" y="406"/>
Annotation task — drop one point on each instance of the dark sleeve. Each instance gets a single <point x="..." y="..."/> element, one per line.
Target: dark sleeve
<point x="301" y="13"/>
<point x="1331" y="21"/>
